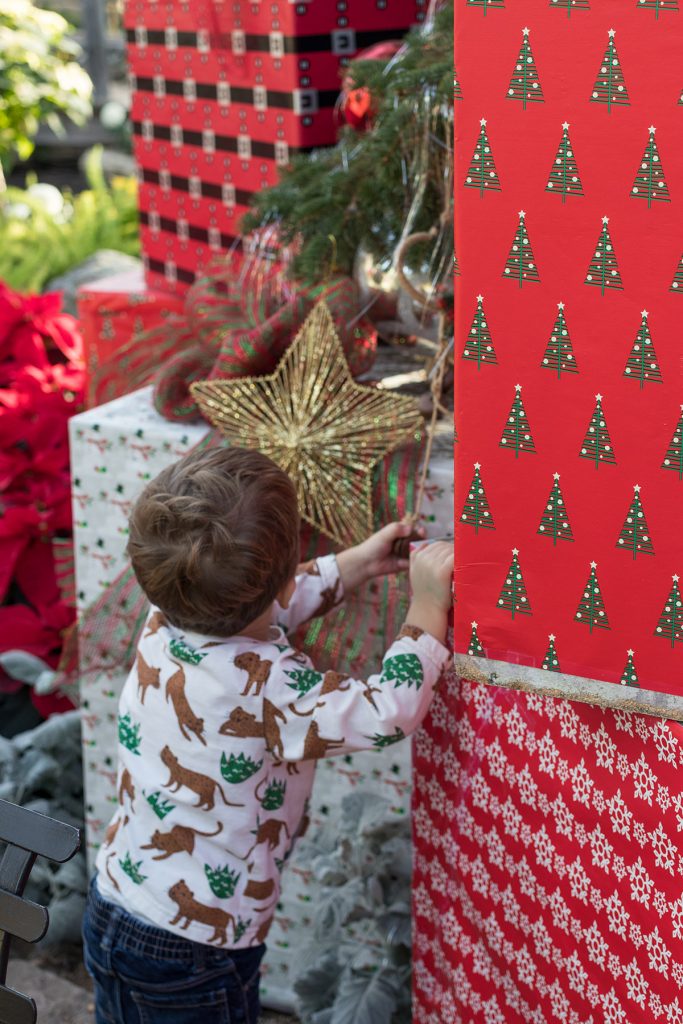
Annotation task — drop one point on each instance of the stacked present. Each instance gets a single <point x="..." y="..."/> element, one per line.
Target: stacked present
<point x="223" y="95"/>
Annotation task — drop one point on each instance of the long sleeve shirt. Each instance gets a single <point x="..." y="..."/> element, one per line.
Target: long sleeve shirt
<point x="218" y="740"/>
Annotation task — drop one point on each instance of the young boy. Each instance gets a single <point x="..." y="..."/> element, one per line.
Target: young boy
<point x="220" y="724"/>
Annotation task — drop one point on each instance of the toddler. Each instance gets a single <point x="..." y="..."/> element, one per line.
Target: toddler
<point x="220" y="724"/>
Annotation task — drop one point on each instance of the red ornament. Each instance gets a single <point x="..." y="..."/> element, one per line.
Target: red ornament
<point x="357" y="105"/>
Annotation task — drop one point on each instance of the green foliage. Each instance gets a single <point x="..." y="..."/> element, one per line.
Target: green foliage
<point x="238" y="769"/>
<point x="222" y="881"/>
<point x="304" y="679"/>
<point x="39" y="242"/>
<point x="40" y="77"/>
<point x="160" y="806"/>
<point x="132" y="869"/>
<point x="274" y="796"/>
<point x="403" y="668"/>
<point x="342" y="192"/>
<point x="379" y="742"/>
<point x="183" y="651"/>
<point x="241" y="927"/>
<point x="129" y="733"/>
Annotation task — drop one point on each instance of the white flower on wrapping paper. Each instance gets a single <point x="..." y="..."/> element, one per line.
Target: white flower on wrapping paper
<point x="657" y="952"/>
<point x="559" y="1002"/>
<point x="665" y="741"/>
<point x="493" y="932"/>
<point x="614" y="965"/>
<point x="564" y="819"/>
<point x="617" y="915"/>
<point x="494" y="894"/>
<point x="424" y="743"/>
<point x="605" y="749"/>
<point x="560" y="865"/>
<point x="535" y="703"/>
<point x="525" y="876"/>
<point x="492" y="1012"/>
<point x="618" y="867"/>
<point x="581" y="783"/>
<point x="643" y="728"/>
<point x="624" y="721"/>
<point x="436" y="794"/>
<point x="542" y="941"/>
<point x="636" y="986"/>
<point x="599" y="802"/>
<point x="451" y="767"/>
<point x="510" y="775"/>
<point x="674" y="1013"/>
<point x="475" y="1002"/>
<point x="544" y="848"/>
<point x="656" y="1007"/>
<point x="481" y="961"/>
<point x="481" y="791"/>
<point x="508" y="951"/>
<point x="543" y="804"/>
<point x="421" y="822"/>
<point x="464" y="820"/>
<point x="526" y="971"/>
<point x="498" y="715"/>
<point x="465" y="944"/>
<point x="510" y="907"/>
<point x="421" y="901"/>
<point x="579" y="882"/>
<point x="562" y="770"/>
<point x="592" y="994"/>
<point x="547" y="754"/>
<point x="596" y="946"/>
<point x="664" y="850"/>
<point x="620" y="815"/>
<point x="576" y="975"/>
<point x="601" y="848"/>
<point x="551" y="705"/>
<point x="422" y="942"/>
<point x="585" y="735"/>
<point x="560" y="911"/>
<point x="580" y="834"/>
<point x="612" y="1008"/>
<point x="596" y="899"/>
<point x="569" y="720"/>
<point x="576" y="929"/>
<point x="483" y="702"/>
<point x="512" y="819"/>
<point x="438" y="878"/>
<point x="480" y="876"/>
<point x="635" y="934"/>
<point x="663" y="797"/>
<point x="643" y="780"/>
<point x="496" y="848"/>
<point x="497" y="759"/>
<point x="527" y="787"/>
<point x="510" y="865"/>
<point x="525" y="834"/>
<point x="524" y="923"/>
<point x="530" y="742"/>
<point x="639" y="833"/>
<point x="515" y="728"/>
<point x="494" y="807"/>
<point x="677" y="973"/>
<point x="465" y="735"/>
<point x="641" y="883"/>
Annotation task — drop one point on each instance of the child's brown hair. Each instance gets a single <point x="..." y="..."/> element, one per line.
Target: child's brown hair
<point x="214" y="538"/>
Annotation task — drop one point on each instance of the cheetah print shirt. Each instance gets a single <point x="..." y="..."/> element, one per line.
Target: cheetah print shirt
<point x="218" y="741"/>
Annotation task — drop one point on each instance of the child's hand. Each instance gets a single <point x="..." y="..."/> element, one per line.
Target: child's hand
<point x="374" y="556"/>
<point x="431" y="576"/>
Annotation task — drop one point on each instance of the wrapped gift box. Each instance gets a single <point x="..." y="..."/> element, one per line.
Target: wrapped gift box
<point x="223" y="95"/>
<point x="112" y="311"/>
<point x="115" y="450"/>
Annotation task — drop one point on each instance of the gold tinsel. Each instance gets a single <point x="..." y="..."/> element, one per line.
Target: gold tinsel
<point x="324" y="430"/>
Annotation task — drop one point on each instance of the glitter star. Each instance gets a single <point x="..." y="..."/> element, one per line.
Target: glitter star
<point x="565" y="126"/>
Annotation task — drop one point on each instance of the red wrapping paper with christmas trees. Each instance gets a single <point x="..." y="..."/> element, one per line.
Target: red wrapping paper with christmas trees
<point x="569" y="411"/>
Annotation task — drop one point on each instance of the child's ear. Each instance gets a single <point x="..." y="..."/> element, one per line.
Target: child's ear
<point x="285" y="595"/>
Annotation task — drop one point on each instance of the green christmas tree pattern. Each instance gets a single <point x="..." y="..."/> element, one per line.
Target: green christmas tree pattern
<point x="160" y="806"/>
<point x="304" y="679"/>
<point x="222" y="881"/>
<point x="513" y="596"/>
<point x="564" y="177"/>
<point x="457" y="91"/>
<point x="597" y="444"/>
<point x="554" y="521"/>
<point x="570" y="5"/>
<point x="550" y="659"/>
<point x="517" y="433"/>
<point x="610" y="87"/>
<point x="520" y="265"/>
<point x="132" y="869"/>
<point x="524" y="84"/>
<point x="603" y="271"/>
<point x="476" y="512"/>
<point x="129" y="734"/>
<point x="238" y="769"/>
<point x="241" y="927"/>
<point x="670" y="625"/>
<point x="486" y="4"/>
<point x="474" y="647"/>
<point x="677" y="283"/>
<point x="402" y="668"/>
<point x="274" y="796"/>
<point x="635" y="533"/>
<point x="642" y="364"/>
<point x="380" y="742"/>
<point x="591" y="611"/>
<point x="674" y="453"/>
<point x="629" y="677"/>
<point x="482" y="172"/>
<point x="559" y="354"/>
<point x="182" y="650"/>
<point x="650" y="182"/>
<point x="478" y="344"/>
<point x="659" y="5"/>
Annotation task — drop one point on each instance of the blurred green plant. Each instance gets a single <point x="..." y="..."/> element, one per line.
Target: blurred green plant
<point x="40" y="78"/>
<point x="45" y="232"/>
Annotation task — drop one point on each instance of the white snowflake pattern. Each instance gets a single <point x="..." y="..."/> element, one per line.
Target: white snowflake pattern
<point x="636" y="986"/>
<point x="422" y="900"/>
<point x="639" y="833"/>
<point x="576" y="928"/>
<point x="542" y="940"/>
<point x="592" y="994"/>
<point x="560" y="911"/>
<point x="512" y="819"/>
<point x="620" y="815"/>
<point x="599" y="802"/>
<point x="664" y="850"/>
<point x="614" y="964"/>
<point x="481" y="790"/>
<point x="665" y="742"/>
<point x="562" y="770"/>
<point x="657" y="952"/>
<point x="635" y="934"/>
<point x="481" y="961"/>
<point x="596" y="946"/>
<point x="605" y="749"/>
<point x="525" y="834"/>
<point x="580" y="834"/>
<point x="575" y="973"/>
<point x="677" y="973"/>
<point x="526" y="969"/>
<point x="560" y="865"/>
<point x="551" y="707"/>
<point x="656" y="1007"/>
<point x="494" y="807"/>
<point x="492" y="1012"/>
<point x="581" y="783"/>
<point x="464" y="732"/>
<point x="494" y="894"/>
<point x="544" y="804"/>
<point x="642" y="728"/>
<point x="586" y="734"/>
<point x="678" y="804"/>
<point x="530" y="741"/>
<point x="498" y="715"/>
<point x="677" y="918"/>
<point x="436" y="794"/>
<point x="496" y="847"/>
<point x="527" y="882"/>
<point x="624" y="721"/>
<point x="547" y="754"/>
<point x="596" y="899"/>
<point x="618" y="867"/>
<point x="544" y="848"/>
<point x="480" y="876"/>
<point x="493" y="932"/>
<point x="663" y="797"/>
<point x="510" y="907"/>
<point x="617" y="915"/>
<point x="641" y="883"/>
<point x="569" y="721"/>
<point x="564" y="819"/>
<point x="674" y="1013"/>
<point x="612" y="1008"/>
<point x="527" y="787"/>
<point x="643" y="780"/>
<point x="623" y="767"/>
<point x="497" y="760"/>
<point x="558" y="1002"/>
<point x="601" y="848"/>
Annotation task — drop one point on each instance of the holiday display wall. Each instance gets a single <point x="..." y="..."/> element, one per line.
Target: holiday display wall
<point x="569" y="238"/>
<point x="224" y="93"/>
<point x="115" y="450"/>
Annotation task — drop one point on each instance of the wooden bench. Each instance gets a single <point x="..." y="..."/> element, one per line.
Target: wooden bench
<point x="27" y="835"/>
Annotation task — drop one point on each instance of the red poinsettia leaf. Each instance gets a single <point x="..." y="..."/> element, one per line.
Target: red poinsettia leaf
<point x="35" y="575"/>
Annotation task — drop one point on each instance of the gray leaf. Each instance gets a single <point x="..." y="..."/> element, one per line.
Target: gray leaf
<point x="365" y="999"/>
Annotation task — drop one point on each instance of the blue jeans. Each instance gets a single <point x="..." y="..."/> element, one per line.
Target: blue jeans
<point x="146" y="975"/>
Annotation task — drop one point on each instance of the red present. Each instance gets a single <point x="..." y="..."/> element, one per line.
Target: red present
<point x="112" y="311"/>
<point x="224" y="93"/>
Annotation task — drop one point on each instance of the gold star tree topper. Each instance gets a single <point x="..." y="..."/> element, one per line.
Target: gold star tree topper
<point x="324" y="430"/>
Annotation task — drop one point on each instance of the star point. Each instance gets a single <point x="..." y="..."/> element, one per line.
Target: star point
<point x="518" y="387"/>
<point x="560" y="305"/>
<point x="630" y="653"/>
<point x="474" y="625"/>
<point x="480" y="298"/>
<point x="652" y="129"/>
<point x="636" y="488"/>
<point x="483" y="122"/>
<point x="556" y="476"/>
<point x="565" y="126"/>
<point x="515" y="551"/>
<point x="611" y="33"/>
<point x="644" y="314"/>
<point x="675" y="578"/>
<point x="605" y="220"/>
<point x="551" y="637"/>
<point x="598" y="398"/>
<point x="522" y="214"/>
<point x="594" y="565"/>
<point x="525" y="31"/>
<point x="477" y="465"/>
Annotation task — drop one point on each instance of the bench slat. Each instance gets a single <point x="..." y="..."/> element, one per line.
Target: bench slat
<point x="22" y="918"/>
<point x="36" y="832"/>
<point x="16" y="1008"/>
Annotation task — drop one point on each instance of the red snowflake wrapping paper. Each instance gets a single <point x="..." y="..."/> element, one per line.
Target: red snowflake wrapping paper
<point x="224" y="93"/>
<point x="569" y="235"/>
<point x="548" y="861"/>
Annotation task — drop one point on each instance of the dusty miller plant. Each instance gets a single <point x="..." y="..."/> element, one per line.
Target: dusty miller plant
<point x="357" y="969"/>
